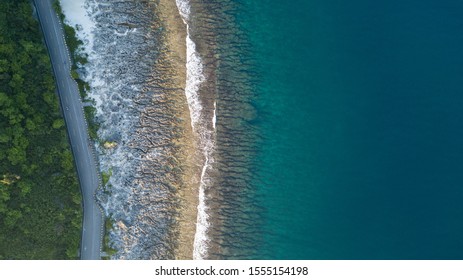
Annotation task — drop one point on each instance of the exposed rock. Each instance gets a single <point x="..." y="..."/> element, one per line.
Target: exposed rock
<point x="109" y="145"/>
<point x="138" y="105"/>
<point x="121" y="225"/>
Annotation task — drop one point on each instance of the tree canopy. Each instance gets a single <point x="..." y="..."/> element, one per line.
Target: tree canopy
<point x="40" y="205"/>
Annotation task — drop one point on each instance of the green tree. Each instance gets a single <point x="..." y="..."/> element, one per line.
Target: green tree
<point x="58" y="123"/>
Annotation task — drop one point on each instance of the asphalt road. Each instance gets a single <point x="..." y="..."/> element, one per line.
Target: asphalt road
<point x="72" y="108"/>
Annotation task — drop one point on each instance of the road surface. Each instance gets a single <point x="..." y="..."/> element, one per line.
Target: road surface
<point x="72" y="108"/>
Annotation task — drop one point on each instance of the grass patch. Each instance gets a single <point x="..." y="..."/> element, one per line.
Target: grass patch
<point x="93" y="125"/>
<point x="105" y="176"/>
<point x="107" y="249"/>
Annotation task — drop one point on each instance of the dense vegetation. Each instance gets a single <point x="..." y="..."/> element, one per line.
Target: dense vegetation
<point x="40" y="202"/>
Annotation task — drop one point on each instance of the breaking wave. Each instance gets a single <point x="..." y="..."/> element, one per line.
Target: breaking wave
<point x="195" y="78"/>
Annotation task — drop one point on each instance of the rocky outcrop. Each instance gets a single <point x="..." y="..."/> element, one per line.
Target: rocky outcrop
<point x="141" y="105"/>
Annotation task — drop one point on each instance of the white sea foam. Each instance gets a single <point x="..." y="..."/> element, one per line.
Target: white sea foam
<point x="194" y="79"/>
<point x="76" y="15"/>
<point x="79" y="14"/>
<point x="214" y="118"/>
<point x="184" y="9"/>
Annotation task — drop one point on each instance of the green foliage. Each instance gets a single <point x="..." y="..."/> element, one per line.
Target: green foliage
<point x="93" y="126"/>
<point x="57" y="124"/>
<point x="105" y="176"/>
<point x="74" y="74"/>
<point x="40" y="202"/>
<point x="106" y="244"/>
<point x="58" y="10"/>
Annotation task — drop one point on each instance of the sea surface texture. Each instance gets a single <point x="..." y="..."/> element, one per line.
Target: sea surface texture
<point x="339" y="128"/>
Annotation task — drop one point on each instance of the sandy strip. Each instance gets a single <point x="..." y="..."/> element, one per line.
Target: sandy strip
<point x="175" y="47"/>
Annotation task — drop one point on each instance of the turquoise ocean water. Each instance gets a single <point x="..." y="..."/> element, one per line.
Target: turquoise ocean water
<point x="358" y="107"/>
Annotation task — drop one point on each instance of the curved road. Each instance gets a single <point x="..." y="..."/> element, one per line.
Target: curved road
<point x="72" y="108"/>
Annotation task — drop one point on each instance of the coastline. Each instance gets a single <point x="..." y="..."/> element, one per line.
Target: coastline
<point x="227" y="131"/>
<point x="175" y="52"/>
<point x="166" y="104"/>
<point x="152" y="194"/>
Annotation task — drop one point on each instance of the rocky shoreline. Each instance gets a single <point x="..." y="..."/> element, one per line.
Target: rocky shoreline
<point x="136" y="72"/>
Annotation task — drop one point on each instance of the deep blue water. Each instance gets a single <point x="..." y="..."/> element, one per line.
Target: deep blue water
<point x="360" y="107"/>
